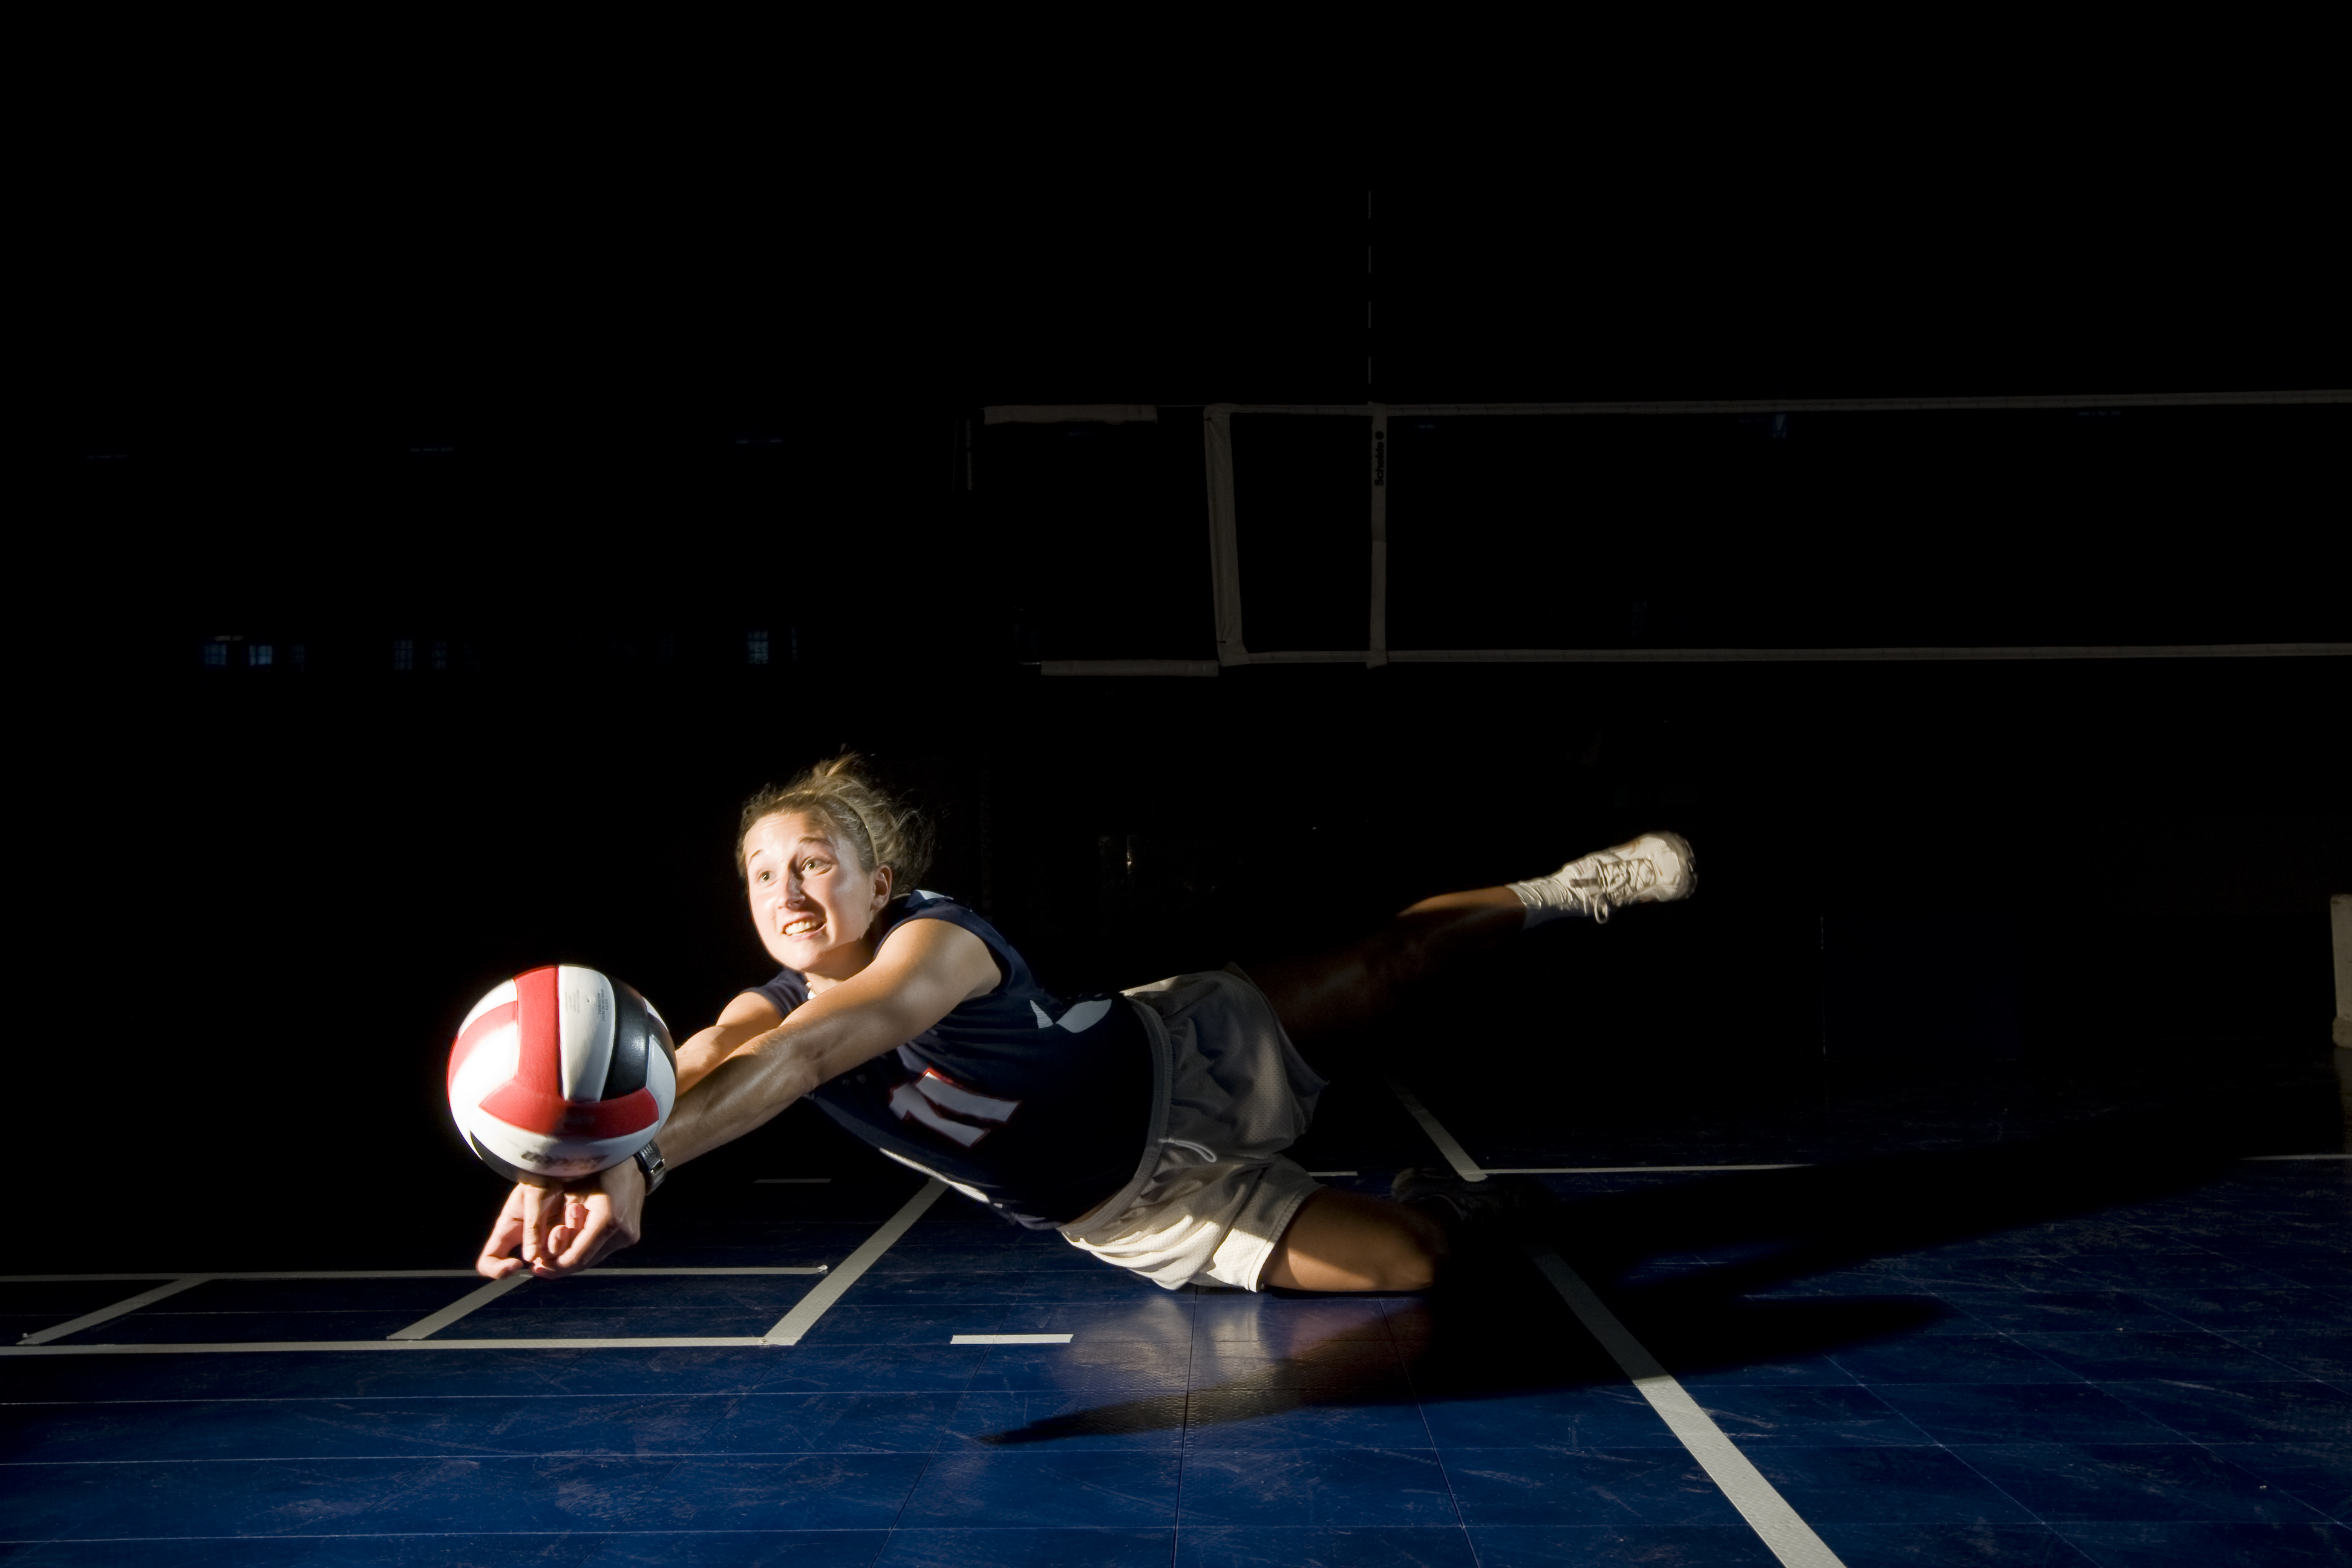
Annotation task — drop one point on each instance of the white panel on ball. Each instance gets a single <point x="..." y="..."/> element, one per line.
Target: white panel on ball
<point x="531" y="1079"/>
<point x="661" y="1077"/>
<point x="497" y="995"/>
<point x="586" y="998"/>
<point x="494" y="1059"/>
<point x="530" y="1151"/>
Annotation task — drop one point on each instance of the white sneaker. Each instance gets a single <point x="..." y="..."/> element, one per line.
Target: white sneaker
<point x="1655" y="868"/>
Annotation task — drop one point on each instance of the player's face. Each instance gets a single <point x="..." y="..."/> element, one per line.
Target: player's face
<point x="809" y="898"/>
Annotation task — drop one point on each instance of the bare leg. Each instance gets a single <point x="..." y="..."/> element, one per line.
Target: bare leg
<point x="1347" y="1241"/>
<point x="1332" y="994"/>
<point x="1344" y="1241"/>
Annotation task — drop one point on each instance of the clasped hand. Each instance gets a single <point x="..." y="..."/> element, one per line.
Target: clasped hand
<point x="559" y="1228"/>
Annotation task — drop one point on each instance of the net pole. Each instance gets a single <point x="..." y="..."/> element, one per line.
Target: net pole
<point x="1376" y="638"/>
<point x="1225" y="552"/>
<point x="1376" y="647"/>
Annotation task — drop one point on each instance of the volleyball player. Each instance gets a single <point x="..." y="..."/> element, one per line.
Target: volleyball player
<point x="1147" y="1127"/>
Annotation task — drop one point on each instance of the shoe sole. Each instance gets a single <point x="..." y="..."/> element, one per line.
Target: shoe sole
<point x="1690" y="865"/>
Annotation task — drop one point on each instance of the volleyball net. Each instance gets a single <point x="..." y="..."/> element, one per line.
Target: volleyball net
<point x="2148" y="525"/>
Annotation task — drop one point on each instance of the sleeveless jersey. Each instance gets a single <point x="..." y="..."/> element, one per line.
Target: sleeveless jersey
<point x="1036" y="1107"/>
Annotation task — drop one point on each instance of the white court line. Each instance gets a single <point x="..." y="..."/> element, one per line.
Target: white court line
<point x="1455" y="1155"/>
<point x="107" y="1314"/>
<point x="237" y="1347"/>
<point x="174" y="1274"/>
<point x="417" y="1335"/>
<point x="424" y="1327"/>
<point x="803" y="1318"/>
<point x="685" y="1273"/>
<point x="1791" y="1540"/>
<point x="1009" y="1340"/>
<point x="1335" y="1173"/>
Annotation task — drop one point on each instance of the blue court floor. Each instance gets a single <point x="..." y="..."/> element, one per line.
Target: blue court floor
<point x="1931" y="1357"/>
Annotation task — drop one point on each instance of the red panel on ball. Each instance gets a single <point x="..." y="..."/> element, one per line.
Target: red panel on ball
<point x="534" y="1099"/>
<point x="497" y="1018"/>
<point x="556" y="1117"/>
<point x="539" y="1061"/>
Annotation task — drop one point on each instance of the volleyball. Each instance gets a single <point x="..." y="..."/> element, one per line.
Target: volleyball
<point x="560" y="1072"/>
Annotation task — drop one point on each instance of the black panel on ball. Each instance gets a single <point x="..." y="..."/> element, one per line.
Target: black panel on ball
<point x="627" y="1073"/>
<point x="638" y="1032"/>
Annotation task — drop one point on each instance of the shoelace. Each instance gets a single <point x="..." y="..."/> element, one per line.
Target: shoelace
<point x="1613" y="882"/>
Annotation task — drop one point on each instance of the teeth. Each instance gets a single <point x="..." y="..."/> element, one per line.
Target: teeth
<point x="798" y="928"/>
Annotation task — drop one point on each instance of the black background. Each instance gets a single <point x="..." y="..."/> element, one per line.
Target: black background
<point x="581" y="437"/>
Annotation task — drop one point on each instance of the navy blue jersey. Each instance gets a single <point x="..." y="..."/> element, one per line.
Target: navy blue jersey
<point x="1037" y="1106"/>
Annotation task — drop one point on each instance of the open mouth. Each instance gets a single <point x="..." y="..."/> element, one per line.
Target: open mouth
<point x="803" y="925"/>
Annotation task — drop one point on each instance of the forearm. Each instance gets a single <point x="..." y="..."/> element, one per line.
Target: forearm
<point x="702" y="1053"/>
<point x="741" y="1089"/>
<point x="731" y="1083"/>
<point x="735" y="1093"/>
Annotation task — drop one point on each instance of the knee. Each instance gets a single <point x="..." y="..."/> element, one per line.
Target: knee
<point x="1417" y="1270"/>
<point x="1418" y="1255"/>
<point x="1346" y="1241"/>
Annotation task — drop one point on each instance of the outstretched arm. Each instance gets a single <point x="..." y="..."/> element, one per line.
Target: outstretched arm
<point x="745" y="1019"/>
<point x="543" y="1219"/>
<point x="924" y="969"/>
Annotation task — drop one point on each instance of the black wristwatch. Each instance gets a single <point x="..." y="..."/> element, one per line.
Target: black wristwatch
<point x="649" y="1161"/>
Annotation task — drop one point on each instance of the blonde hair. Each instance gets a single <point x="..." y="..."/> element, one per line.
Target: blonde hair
<point x="867" y="819"/>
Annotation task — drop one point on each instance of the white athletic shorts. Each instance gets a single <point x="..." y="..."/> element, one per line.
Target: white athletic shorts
<point x="1230" y="1093"/>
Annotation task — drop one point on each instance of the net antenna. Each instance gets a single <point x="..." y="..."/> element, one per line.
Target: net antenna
<point x="1376" y="632"/>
